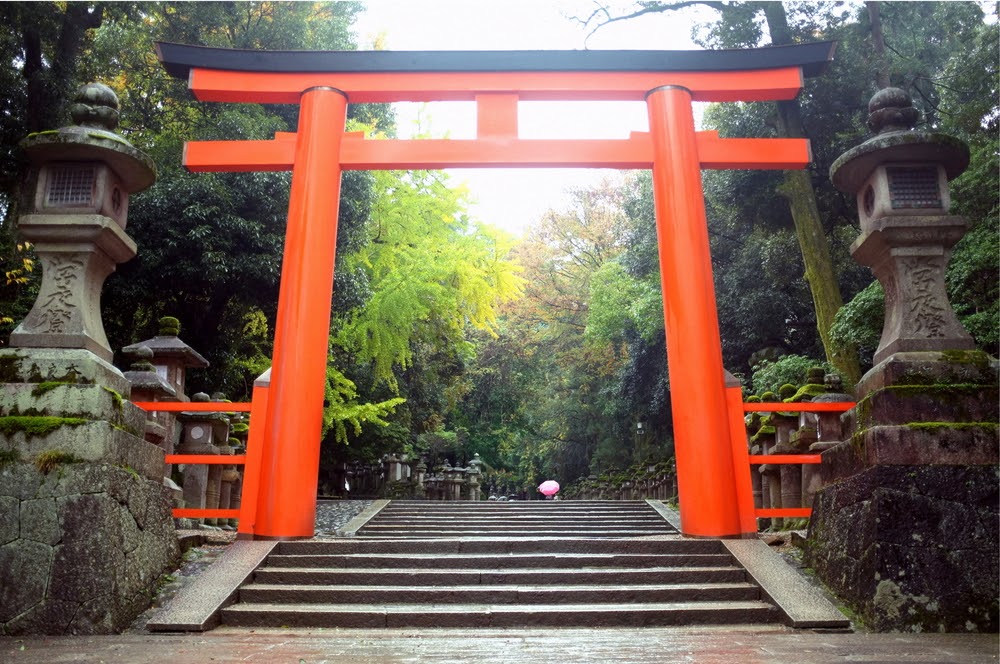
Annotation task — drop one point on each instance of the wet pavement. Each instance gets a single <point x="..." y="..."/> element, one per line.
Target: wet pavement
<point x="729" y="645"/>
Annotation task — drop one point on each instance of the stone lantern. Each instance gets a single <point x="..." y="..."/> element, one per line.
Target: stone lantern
<point x="901" y="524"/>
<point x="80" y="558"/>
<point x="900" y="178"/>
<point x="77" y="202"/>
<point x="171" y="356"/>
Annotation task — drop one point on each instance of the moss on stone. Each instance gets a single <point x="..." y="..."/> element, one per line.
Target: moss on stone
<point x="761" y="432"/>
<point x="957" y="426"/>
<point x="49" y="460"/>
<point x="116" y="398"/>
<point x="43" y="388"/>
<point x="130" y="470"/>
<point x="977" y="358"/>
<point x="39" y="426"/>
<point x="809" y="390"/>
<point x="8" y="457"/>
<point x="948" y="393"/>
<point x="10" y="369"/>
<point x="786" y="392"/>
<point x="169" y="326"/>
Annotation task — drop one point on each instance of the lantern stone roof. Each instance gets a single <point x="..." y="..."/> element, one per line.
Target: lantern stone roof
<point x="95" y="112"/>
<point x="170" y="346"/>
<point x="892" y="117"/>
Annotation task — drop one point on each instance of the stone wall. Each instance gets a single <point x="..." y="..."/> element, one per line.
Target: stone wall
<point x="912" y="548"/>
<point x="81" y="546"/>
<point x="85" y="521"/>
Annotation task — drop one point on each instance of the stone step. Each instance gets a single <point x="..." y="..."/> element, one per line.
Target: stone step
<point x="478" y="527"/>
<point x="499" y="615"/>
<point x="517" y="504"/>
<point x="498" y="546"/>
<point x="518" y="514"/>
<point x="413" y="575"/>
<point x="463" y="507"/>
<point x="518" y="508"/>
<point x="472" y="577"/>
<point x="475" y="533"/>
<point x="524" y="518"/>
<point x="492" y="561"/>
<point x="258" y="593"/>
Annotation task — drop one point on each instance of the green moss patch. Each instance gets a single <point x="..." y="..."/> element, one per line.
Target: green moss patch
<point x="37" y="425"/>
<point x="43" y="388"/>
<point x="8" y="457"/>
<point x="809" y="390"/>
<point x="116" y="398"/>
<point x="956" y="426"/>
<point x="49" y="460"/>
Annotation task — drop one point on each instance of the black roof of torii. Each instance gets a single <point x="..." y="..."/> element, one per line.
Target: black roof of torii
<point x="812" y="58"/>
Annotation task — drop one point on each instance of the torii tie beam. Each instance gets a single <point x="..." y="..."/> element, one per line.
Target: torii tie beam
<point x="710" y="482"/>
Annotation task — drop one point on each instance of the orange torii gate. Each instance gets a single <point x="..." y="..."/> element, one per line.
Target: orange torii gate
<point x="713" y="484"/>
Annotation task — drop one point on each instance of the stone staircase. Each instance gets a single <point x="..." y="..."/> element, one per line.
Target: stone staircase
<point x="539" y="563"/>
<point x="597" y="519"/>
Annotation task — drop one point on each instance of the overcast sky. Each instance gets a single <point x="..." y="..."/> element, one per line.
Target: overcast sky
<point x="511" y="198"/>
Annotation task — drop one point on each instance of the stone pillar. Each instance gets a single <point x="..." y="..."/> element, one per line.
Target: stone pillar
<point x="771" y="478"/>
<point x="201" y="481"/>
<point x="229" y="477"/>
<point x="236" y="489"/>
<point x="829" y="434"/>
<point x="474" y="475"/>
<point x="906" y="529"/>
<point x="419" y="475"/>
<point x="85" y="522"/>
<point x="456" y="480"/>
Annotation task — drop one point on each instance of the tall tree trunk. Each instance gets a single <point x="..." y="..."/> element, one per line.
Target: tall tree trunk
<point x="798" y="190"/>
<point x="878" y="46"/>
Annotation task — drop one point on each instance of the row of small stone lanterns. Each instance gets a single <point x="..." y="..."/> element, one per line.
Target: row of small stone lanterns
<point x="158" y="374"/>
<point x="658" y="482"/>
<point x="777" y="486"/>
<point x="398" y="476"/>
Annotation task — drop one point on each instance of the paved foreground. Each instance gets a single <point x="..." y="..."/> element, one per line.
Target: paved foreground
<point x="729" y="645"/>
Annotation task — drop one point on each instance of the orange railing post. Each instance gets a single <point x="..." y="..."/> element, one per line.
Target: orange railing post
<point x="706" y="481"/>
<point x="256" y="439"/>
<point x="741" y="458"/>
<point x="290" y="468"/>
<point x="747" y="460"/>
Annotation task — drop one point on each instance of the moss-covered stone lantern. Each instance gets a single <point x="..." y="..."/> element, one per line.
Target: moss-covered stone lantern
<point x="900" y="178"/>
<point x="77" y="208"/>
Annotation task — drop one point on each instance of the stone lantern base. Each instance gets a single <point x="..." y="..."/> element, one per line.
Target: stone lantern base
<point x="85" y="522"/>
<point x="906" y="529"/>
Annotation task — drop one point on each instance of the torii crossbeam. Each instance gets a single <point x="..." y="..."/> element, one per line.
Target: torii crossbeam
<point x="713" y="495"/>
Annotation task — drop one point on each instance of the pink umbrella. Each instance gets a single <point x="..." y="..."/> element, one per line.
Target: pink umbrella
<point x="549" y="487"/>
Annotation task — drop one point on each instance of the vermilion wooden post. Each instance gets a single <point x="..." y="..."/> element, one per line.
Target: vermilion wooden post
<point x="741" y="459"/>
<point x="705" y="478"/>
<point x="255" y="456"/>
<point x="290" y="462"/>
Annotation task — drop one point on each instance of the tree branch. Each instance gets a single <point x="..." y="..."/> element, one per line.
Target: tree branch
<point x="650" y="8"/>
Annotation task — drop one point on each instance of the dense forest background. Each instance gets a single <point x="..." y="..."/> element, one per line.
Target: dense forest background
<point x="450" y="338"/>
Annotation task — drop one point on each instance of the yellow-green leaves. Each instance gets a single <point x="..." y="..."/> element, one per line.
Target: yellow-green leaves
<point x="432" y="272"/>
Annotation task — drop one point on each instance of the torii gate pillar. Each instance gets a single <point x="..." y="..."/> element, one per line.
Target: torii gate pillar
<point x="702" y="445"/>
<point x="302" y="330"/>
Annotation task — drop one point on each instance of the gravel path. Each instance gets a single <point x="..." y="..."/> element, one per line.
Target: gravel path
<point x="334" y="514"/>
